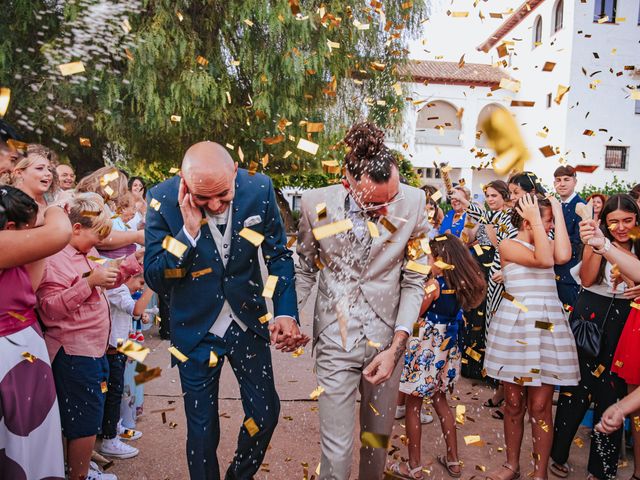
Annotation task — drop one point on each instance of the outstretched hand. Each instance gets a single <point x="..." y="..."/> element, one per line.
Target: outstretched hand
<point x="286" y="335"/>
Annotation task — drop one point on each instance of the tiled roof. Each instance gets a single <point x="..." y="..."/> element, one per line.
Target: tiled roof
<point x="509" y="24"/>
<point x="450" y="73"/>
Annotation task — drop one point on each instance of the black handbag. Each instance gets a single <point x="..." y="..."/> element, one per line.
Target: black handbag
<point x="588" y="334"/>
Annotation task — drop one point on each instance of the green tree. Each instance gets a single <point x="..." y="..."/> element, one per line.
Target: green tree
<point x="162" y="74"/>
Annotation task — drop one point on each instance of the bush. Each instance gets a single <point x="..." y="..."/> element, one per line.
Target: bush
<point x="616" y="186"/>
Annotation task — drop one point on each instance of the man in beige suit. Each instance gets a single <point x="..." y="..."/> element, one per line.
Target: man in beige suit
<point x="353" y="239"/>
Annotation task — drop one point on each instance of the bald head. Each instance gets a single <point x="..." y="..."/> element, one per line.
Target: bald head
<point x="209" y="172"/>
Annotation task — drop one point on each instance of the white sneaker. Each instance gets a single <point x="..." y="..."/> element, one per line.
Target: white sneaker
<point x="401" y="411"/>
<point x="95" y="473"/>
<point x="114" y="447"/>
<point x="127" y="434"/>
<point x="425" y="418"/>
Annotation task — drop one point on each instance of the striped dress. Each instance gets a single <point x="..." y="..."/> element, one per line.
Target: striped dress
<point x="535" y="346"/>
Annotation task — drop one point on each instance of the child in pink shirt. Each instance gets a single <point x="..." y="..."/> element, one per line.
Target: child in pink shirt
<point x="75" y="313"/>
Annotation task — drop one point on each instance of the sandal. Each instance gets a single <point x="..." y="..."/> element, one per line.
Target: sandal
<point x="560" y="470"/>
<point x="396" y="469"/>
<point x="489" y="403"/>
<point x="442" y="459"/>
<point x="506" y="466"/>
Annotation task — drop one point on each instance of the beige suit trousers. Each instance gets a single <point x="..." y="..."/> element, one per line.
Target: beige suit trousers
<point x="340" y="374"/>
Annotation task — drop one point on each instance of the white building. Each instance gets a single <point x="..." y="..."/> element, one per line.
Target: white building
<point x="546" y="45"/>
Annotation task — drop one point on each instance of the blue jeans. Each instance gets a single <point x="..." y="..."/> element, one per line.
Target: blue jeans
<point x="250" y="358"/>
<point x="111" y="417"/>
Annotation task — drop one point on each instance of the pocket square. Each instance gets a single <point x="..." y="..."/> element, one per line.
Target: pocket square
<point x="249" y="222"/>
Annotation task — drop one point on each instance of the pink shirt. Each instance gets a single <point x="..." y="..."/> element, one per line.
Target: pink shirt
<point x="17" y="301"/>
<point x="76" y="316"/>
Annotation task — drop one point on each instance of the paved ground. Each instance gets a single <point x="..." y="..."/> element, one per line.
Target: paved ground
<point x="296" y="441"/>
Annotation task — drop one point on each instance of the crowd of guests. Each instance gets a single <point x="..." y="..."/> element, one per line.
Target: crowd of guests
<point x="558" y="316"/>
<point x="535" y="291"/>
<point x="71" y="294"/>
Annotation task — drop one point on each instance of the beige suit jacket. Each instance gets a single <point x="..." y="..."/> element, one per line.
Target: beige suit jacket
<point x="393" y="292"/>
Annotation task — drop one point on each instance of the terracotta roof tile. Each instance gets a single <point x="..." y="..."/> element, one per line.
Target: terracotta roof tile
<point x="451" y="73"/>
<point x="509" y="24"/>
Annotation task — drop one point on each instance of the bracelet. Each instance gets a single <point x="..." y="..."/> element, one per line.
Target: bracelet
<point x="604" y="249"/>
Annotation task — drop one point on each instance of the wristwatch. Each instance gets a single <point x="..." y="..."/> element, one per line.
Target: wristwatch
<point x="605" y="248"/>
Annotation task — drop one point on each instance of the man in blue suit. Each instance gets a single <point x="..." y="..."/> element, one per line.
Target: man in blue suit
<point x="202" y="231"/>
<point x="564" y="181"/>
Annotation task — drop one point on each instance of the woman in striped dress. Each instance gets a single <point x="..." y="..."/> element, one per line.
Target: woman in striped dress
<point x="530" y="347"/>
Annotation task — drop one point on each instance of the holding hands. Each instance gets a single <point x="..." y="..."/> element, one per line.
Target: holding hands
<point x="286" y="335"/>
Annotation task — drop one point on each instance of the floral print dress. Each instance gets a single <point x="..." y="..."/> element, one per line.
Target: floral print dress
<point x="432" y="360"/>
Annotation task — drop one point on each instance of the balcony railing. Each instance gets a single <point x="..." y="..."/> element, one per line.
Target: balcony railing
<point x="437" y="136"/>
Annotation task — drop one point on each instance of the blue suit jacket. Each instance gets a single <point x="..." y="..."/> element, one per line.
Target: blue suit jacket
<point x="197" y="297"/>
<point x="572" y="220"/>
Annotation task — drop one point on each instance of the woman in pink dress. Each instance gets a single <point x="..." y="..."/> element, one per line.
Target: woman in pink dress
<point x="30" y="433"/>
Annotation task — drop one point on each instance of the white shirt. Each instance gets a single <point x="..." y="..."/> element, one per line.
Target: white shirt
<point x="121" y="304"/>
<point x="568" y="200"/>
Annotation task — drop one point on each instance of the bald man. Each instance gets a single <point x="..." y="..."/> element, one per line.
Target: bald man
<point x="66" y="177"/>
<point x="203" y="232"/>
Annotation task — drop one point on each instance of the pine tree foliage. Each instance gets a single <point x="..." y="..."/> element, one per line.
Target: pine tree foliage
<point x="163" y="74"/>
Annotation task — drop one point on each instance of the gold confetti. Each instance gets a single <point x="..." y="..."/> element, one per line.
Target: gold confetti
<point x="548" y="66"/>
<point x="174" y="170"/>
<point x="200" y="273"/>
<point x="373" y="229"/>
<point x="202" y="61"/>
<point x="522" y="103"/>
<point x="481" y="468"/>
<point x="265" y="318"/>
<point x="374" y="344"/>
<point x="457" y="14"/>
<point x="5" y="96"/>
<point x="473" y="354"/>
<point x="251" y="236"/>
<point x="374" y="440"/>
<point x="176" y="118"/>
<point x="297" y="352"/>
<point x="16" y="315"/>
<point x="173" y="246"/>
<point x="174" y="272"/>
<point x="109" y="191"/>
<point x="103" y="387"/>
<point x="511" y="85"/>
<point x="543" y="425"/>
<point x="270" y="286"/>
<point x="315" y="127"/>
<point x="636" y="423"/>
<point x="544" y="325"/>
<point x="418" y="267"/>
<point x="29" y="357"/>
<point x="248" y="22"/>
<point x="436" y="196"/>
<point x="84" y="142"/>
<point x="635" y="95"/>
<point x="251" y="426"/>
<point x="388" y="225"/>
<point x="478" y="249"/>
<point x="562" y="91"/>
<point x="321" y="210"/>
<point x="178" y="354"/>
<point x="635" y="305"/>
<point x="598" y="371"/>
<point x="332" y="229"/>
<point x="442" y="265"/>
<point x="374" y="409"/>
<point x="515" y="302"/>
<point x="146" y="375"/>
<point x="316" y="393"/>
<point x="522" y="380"/>
<point x="474" y="440"/>
<point x="307" y="146"/>
<point x="460" y="412"/>
<point x="291" y="241"/>
<point x="155" y="204"/>
<point x="213" y="359"/>
<point x="71" y="68"/>
<point x="579" y="442"/>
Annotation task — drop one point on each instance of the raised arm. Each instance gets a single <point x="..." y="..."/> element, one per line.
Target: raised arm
<point x="562" y="242"/>
<point x="21" y="247"/>
<point x="118" y="239"/>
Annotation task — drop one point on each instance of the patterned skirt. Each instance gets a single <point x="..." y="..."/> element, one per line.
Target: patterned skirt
<point x="30" y="431"/>
<point x="428" y="366"/>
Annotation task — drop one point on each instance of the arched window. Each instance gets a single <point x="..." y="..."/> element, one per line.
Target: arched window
<point x="485" y="113"/>
<point x="537" y="31"/>
<point x="558" y="13"/>
<point x="438" y="122"/>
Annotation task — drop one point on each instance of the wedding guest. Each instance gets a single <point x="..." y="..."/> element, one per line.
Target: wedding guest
<point x="455" y="219"/>
<point x="565" y="181"/>
<point x="601" y="302"/>
<point x="432" y="359"/>
<point x="530" y="347"/>
<point x="33" y="175"/>
<point x="9" y="156"/>
<point x="75" y="312"/>
<point x="597" y="200"/>
<point x="635" y="193"/>
<point x="138" y="188"/>
<point x="30" y="429"/>
<point x="66" y="177"/>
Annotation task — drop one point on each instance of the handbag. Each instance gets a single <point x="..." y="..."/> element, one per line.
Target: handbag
<point x="587" y="333"/>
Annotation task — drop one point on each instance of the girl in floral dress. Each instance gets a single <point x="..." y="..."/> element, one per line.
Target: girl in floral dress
<point x="432" y="359"/>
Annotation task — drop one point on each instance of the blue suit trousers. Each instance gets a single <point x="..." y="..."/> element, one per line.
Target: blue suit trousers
<point x="250" y="358"/>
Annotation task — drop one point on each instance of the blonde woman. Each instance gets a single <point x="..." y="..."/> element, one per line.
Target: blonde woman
<point x="33" y="175"/>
